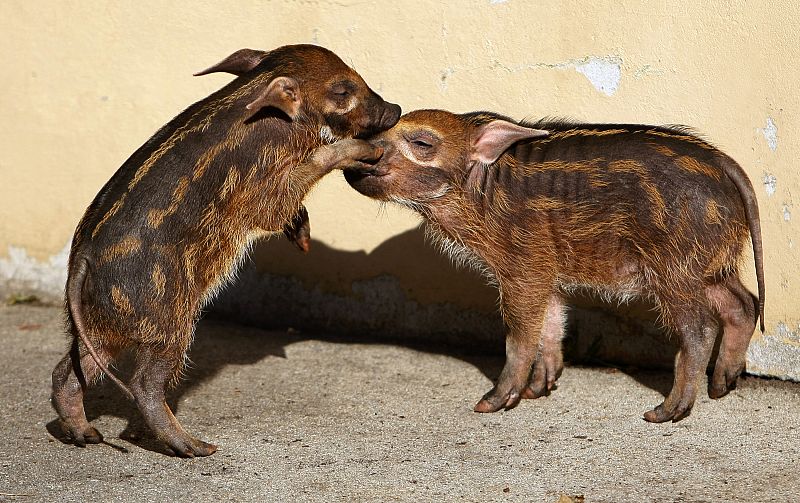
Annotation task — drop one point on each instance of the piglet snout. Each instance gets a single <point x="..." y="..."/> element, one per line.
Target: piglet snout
<point x="382" y="117"/>
<point x="391" y="114"/>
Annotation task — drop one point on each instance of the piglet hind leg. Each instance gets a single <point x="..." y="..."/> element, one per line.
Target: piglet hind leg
<point x="73" y="373"/>
<point x="550" y="360"/>
<point x="737" y="310"/>
<point x="524" y="321"/>
<point x="696" y="327"/>
<point x="155" y="368"/>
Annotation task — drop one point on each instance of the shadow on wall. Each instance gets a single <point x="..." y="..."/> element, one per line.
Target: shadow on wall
<point x="406" y="292"/>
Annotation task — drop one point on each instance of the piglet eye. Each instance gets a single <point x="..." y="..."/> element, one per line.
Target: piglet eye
<point x="340" y="90"/>
<point x="421" y="144"/>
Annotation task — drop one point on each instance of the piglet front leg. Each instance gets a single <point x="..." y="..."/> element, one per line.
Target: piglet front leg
<point x="524" y="312"/>
<point x="346" y="154"/>
<point x="298" y="230"/>
<point x="550" y="361"/>
<point x="343" y="154"/>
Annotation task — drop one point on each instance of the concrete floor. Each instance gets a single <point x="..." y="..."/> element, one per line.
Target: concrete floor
<point x="302" y="418"/>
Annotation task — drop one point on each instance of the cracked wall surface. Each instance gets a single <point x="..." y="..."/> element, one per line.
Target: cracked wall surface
<point x="86" y="84"/>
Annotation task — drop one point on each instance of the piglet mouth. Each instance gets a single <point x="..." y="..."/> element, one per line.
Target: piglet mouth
<point x="355" y="175"/>
<point x="369" y="132"/>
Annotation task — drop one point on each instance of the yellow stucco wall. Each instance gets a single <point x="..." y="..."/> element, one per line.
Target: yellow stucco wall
<point x="86" y="83"/>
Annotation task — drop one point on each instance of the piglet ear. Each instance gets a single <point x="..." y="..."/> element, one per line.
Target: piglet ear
<point x="282" y="93"/>
<point x="241" y="61"/>
<point x="490" y="140"/>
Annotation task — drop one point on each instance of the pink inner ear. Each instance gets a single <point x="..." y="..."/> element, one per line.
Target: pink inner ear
<point x="494" y="138"/>
<point x="282" y="93"/>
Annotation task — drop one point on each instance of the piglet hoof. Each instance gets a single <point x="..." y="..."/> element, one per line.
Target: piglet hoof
<point x="722" y="383"/>
<point x="540" y="387"/>
<point x="81" y="437"/>
<point x="716" y="392"/>
<point x="192" y="449"/>
<point x="92" y="436"/>
<point x="663" y="414"/>
<point x="495" y="400"/>
<point x="304" y="244"/>
<point x="533" y="391"/>
<point x="546" y="372"/>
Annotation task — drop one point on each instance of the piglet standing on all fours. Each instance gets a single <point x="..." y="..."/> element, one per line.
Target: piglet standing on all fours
<point x="623" y="210"/>
<point x="173" y="223"/>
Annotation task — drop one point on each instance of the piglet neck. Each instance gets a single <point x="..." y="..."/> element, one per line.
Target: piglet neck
<point x="453" y="217"/>
<point x="476" y="173"/>
<point x="485" y="188"/>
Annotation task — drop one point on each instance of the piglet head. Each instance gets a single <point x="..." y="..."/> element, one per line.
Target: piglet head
<point x="428" y="154"/>
<point x="310" y="86"/>
<point x="331" y="96"/>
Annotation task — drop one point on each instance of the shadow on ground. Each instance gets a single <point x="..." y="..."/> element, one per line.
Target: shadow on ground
<point x="210" y="354"/>
<point x="219" y="345"/>
<point x="403" y="293"/>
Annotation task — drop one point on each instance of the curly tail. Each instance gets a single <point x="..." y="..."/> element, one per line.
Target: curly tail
<point x="748" y="195"/>
<point x="74" y="293"/>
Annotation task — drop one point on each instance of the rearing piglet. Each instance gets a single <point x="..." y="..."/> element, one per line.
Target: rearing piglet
<point x="623" y="210"/>
<point x="171" y="226"/>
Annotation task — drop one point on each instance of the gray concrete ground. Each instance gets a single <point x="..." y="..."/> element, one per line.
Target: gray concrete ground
<point x="304" y="418"/>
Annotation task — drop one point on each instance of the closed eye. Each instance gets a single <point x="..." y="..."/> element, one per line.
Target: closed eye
<point x="342" y="89"/>
<point x="421" y="144"/>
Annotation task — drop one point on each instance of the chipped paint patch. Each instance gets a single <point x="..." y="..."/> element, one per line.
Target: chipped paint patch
<point x="787" y="213"/>
<point x="770" y="133"/>
<point x="770" y="183"/>
<point x="776" y="354"/>
<point x="22" y="273"/>
<point x="496" y="2"/>
<point x="604" y="73"/>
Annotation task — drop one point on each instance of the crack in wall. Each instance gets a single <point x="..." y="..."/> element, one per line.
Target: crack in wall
<point x="604" y="73"/>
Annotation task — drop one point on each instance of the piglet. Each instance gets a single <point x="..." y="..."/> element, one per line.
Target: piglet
<point x="174" y="222"/>
<point x="621" y="210"/>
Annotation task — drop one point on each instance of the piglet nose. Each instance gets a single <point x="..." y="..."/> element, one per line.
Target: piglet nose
<point x="391" y="115"/>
